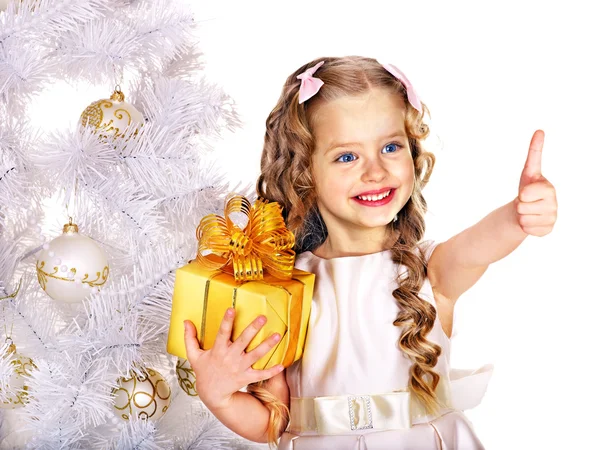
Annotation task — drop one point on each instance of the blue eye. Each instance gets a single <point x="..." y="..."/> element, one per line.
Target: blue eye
<point x="346" y="158"/>
<point x="390" y="148"/>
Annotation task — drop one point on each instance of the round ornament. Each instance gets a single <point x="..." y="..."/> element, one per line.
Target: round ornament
<point x="186" y="377"/>
<point x="71" y="266"/>
<point x="111" y="116"/>
<point x="146" y="396"/>
<point x="16" y="392"/>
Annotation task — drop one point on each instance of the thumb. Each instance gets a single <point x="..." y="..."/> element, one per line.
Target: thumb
<point x="533" y="164"/>
<point x="192" y="346"/>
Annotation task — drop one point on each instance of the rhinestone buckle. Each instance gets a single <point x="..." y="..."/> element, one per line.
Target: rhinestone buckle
<point x="354" y="404"/>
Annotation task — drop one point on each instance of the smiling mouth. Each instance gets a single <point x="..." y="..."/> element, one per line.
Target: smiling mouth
<point x="374" y="198"/>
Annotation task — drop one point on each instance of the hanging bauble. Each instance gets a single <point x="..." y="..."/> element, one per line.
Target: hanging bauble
<point x="71" y="266"/>
<point x="111" y="116"/>
<point x="16" y="391"/>
<point x="186" y="377"/>
<point x="146" y="395"/>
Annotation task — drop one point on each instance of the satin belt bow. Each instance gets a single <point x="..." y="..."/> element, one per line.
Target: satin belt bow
<point x="342" y="414"/>
<point x="264" y="241"/>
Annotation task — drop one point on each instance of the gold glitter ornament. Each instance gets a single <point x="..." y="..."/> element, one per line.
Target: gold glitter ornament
<point x="71" y="266"/>
<point x="146" y="396"/>
<point x="16" y="391"/>
<point x="186" y="377"/>
<point x="111" y="116"/>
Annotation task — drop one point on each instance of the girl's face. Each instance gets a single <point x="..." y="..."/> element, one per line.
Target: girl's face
<point x="362" y="164"/>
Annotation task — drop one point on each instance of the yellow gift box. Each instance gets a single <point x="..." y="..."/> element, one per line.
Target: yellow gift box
<point x="203" y="296"/>
<point x="233" y="276"/>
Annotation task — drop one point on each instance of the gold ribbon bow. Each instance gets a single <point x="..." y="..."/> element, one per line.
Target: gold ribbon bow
<point x="265" y="241"/>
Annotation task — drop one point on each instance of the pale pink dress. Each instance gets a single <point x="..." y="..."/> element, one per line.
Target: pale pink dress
<point x="351" y="350"/>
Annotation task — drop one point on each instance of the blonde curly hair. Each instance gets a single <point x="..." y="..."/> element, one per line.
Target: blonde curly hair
<point x="286" y="177"/>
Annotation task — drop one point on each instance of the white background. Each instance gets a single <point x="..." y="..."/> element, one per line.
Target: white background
<point x="491" y="75"/>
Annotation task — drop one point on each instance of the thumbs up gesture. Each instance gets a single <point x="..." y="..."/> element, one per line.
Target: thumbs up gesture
<point x="536" y="204"/>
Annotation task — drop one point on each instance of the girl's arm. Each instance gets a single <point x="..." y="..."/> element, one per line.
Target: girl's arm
<point x="226" y="368"/>
<point x="246" y="415"/>
<point x="457" y="264"/>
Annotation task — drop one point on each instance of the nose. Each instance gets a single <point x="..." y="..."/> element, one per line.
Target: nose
<point x="374" y="171"/>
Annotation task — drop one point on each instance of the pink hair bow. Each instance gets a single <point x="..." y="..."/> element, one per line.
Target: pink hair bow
<point x="309" y="85"/>
<point x="413" y="99"/>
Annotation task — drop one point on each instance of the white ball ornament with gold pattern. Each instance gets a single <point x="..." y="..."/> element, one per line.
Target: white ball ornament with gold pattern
<point x="111" y="116"/>
<point x="15" y="392"/>
<point x="186" y="377"/>
<point x="71" y="266"/>
<point x="143" y="396"/>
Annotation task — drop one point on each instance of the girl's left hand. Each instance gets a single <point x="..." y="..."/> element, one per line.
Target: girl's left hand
<point x="536" y="204"/>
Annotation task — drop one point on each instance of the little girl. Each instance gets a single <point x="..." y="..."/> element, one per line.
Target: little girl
<point x="343" y="156"/>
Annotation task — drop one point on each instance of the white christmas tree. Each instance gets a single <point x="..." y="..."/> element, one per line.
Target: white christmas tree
<point x="136" y="193"/>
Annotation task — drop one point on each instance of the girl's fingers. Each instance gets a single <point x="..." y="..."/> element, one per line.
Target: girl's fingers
<point x="537" y="231"/>
<point x="538" y="207"/>
<point x="530" y="207"/>
<point x="192" y="346"/>
<point x="537" y="191"/>
<point x="533" y="220"/>
<point x="255" y="376"/>
<point x="262" y="349"/>
<point x="223" y="337"/>
<point x="240" y="344"/>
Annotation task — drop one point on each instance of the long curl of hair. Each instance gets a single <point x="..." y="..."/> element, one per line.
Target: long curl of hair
<point x="286" y="177"/>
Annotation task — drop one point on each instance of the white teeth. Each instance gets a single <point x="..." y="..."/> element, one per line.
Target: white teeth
<point x="374" y="197"/>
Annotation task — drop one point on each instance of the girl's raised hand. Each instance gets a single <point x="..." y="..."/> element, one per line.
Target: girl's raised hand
<point x="226" y="367"/>
<point x="536" y="204"/>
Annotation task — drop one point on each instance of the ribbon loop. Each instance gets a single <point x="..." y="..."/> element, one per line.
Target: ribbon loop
<point x="240" y="244"/>
<point x="413" y="98"/>
<point x="264" y="243"/>
<point x="309" y="85"/>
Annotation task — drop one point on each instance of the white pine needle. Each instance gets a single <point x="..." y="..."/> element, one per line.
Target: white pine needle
<point x="98" y="48"/>
<point x="164" y="28"/>
<point x="7" y="369"/>
<point x="75" y="154"/>
<point x="137" y="435"/>
<point x="32" y="17"/>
